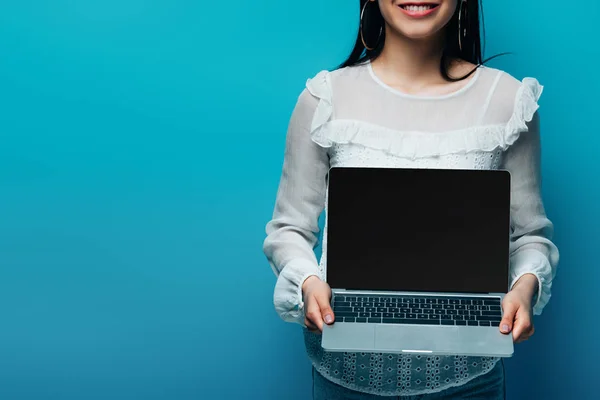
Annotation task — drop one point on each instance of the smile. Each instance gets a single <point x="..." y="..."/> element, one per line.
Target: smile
<point x="418" y="10"/>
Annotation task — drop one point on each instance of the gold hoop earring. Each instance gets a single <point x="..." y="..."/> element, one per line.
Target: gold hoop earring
<point x="362" y="38"/>
<point x="462" y="33"/>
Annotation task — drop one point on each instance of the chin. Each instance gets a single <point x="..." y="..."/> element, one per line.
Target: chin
<point x="415" y="32"/>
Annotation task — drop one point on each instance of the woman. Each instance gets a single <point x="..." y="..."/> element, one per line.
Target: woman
<point x="413" y="94"/>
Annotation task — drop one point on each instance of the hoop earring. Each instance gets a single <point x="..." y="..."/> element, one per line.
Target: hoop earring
<point x="362" y="38"/>
<point x="462" y="33"/>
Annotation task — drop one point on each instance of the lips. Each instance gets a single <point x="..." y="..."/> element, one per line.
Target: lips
<point x="418" y="10"/>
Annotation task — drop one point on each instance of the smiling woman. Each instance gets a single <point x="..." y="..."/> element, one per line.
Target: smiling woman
<point x="456" y="23"/>
<point x="414" y="93"/>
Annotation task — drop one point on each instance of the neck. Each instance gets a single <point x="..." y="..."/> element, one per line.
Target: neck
<point x="410" y="60"/>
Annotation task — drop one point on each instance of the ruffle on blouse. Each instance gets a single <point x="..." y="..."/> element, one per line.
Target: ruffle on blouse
<point x="413" y="144"/>
<point x="320" y="87"/>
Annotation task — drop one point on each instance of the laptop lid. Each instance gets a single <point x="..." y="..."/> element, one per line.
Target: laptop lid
<point x="434" y="230"/>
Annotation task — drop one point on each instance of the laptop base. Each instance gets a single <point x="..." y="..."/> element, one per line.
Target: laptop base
<point x="417" y="339"/>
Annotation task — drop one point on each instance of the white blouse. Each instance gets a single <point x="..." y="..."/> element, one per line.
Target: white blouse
<point x="350" y="118"/>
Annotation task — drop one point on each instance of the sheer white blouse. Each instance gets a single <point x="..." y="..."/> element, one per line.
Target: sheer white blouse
<point x="350" y="118"/>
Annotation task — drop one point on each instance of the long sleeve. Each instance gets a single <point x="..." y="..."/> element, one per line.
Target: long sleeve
<point x="532" y="250"/>
<point x="292" y="231"/>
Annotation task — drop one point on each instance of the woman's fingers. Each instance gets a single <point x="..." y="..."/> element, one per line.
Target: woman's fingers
<point x="313" y="313"/>
<point x="509" y="309"/>
<point x="517" y="319"/>
<point x="310" y="326"/>
<point x="318" y="309"/>
<point x="523" y="329"/>
<point x="324" y="299"/>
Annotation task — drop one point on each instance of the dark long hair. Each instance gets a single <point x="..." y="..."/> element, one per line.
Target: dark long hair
<point x="373" y="24"/>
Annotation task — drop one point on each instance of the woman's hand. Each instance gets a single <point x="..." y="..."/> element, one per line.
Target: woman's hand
<point x="518" y="314"/>
<point x="317" y="298"/>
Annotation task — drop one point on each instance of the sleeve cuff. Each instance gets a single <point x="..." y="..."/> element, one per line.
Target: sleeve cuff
<point x="287" y="296"/>
<point x="533" y="262"/>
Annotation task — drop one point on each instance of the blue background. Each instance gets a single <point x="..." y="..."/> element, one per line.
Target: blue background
<point x="141" y="146"/>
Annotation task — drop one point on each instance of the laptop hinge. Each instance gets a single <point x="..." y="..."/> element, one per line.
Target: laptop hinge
<point x="413" y="293"/>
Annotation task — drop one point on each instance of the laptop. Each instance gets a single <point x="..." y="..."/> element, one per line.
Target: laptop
<point x="418" y="261"/>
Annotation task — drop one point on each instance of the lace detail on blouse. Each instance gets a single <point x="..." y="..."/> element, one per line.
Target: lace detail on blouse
<point x="395" y="374"/>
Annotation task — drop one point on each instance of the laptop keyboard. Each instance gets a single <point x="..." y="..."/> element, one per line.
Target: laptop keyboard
<point x="418" y="310"/>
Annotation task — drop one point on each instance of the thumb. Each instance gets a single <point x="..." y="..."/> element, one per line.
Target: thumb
<point x="324" y="305"/>
<point x="510" y="309"/>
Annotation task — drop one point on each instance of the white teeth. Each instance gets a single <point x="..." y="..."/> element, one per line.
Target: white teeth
<point x="417" y="8"/>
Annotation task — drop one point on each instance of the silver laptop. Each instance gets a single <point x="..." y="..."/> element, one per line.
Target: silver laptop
<point x="418" y="260"/>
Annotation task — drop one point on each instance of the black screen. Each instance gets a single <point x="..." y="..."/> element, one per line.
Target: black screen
<point x="418" y="230"/>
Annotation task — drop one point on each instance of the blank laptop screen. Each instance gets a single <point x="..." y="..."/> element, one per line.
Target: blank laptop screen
<point x="418" y="230"/>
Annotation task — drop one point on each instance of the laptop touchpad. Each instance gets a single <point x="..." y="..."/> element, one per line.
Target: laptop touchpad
<point x="413" y="337"/>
